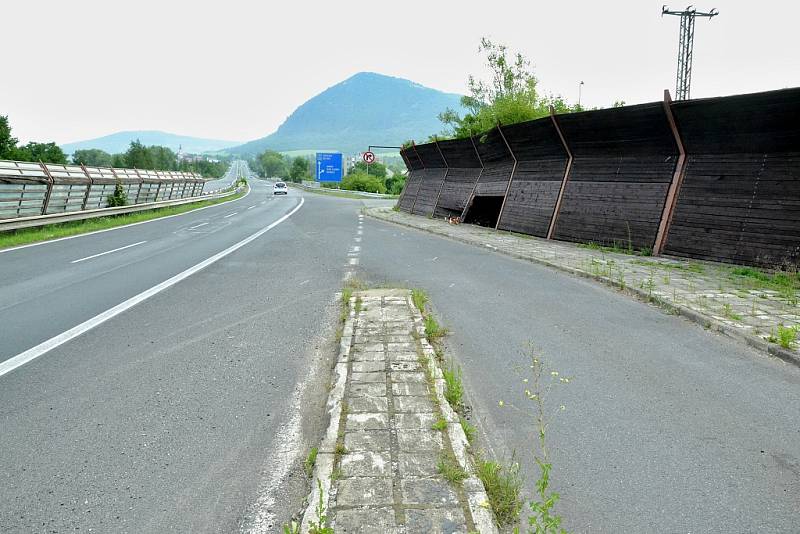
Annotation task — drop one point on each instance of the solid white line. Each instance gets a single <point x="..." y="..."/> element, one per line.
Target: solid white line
<point x="230" y="214"/>
<point x="107" y="252"/>
<point x="123" y="226"/>
<point x="46" y="346"/>
<point x="197" y="226"/>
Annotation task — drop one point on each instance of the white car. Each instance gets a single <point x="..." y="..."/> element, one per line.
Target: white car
<point x="280" y="189"/>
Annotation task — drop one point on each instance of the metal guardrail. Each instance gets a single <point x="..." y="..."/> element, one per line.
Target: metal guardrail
<point x="55" y="218"/>
<point x="30" y="189"/>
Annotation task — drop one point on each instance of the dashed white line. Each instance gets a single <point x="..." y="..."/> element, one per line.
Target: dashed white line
<point x="355" y="248"/>
<point x="56" y="341"/>
<point x="304" y="282"/>
<point x="357" y="240"/>
<point x="107" y="252"/>
<point x="230" y="214"/>
<point x="360" y="232"/>
<point x="197" y="226"/>
<point x="251" y="207"/>
<point x="353" y="261"/>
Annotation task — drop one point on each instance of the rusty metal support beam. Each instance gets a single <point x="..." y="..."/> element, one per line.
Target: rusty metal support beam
<point x="141" y="183"/>
<point x="510" y="178"/>
<point x="88" y="187"/>
<point x="557" y="208"/>
<point x="49" y="192"/>
<point x="675" y="185"/>
<point x="478" y="179"/>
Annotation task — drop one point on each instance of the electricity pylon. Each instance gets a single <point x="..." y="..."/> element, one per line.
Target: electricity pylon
<point x="685" y="46"/>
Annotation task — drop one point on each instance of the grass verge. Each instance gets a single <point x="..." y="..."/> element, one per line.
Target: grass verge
<point x="26" y="236"/>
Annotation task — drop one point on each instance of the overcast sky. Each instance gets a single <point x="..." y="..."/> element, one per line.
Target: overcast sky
<point x="234" y="69"/>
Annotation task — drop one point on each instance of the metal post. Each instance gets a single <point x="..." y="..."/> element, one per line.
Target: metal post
<point x="557" y="208"/>
<point x="510" y="179"/>
<point x="141" y="183"/>
<point x="49" y="192"/>
<point x="88" y="187"/>
<point x="446" y="172"/>
<point x="675" y="185"/>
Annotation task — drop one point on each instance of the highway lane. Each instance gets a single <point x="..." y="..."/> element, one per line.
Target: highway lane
<point x="51" y="287"/>
<point x="191" y="411"/>
<point x="667" y="428"/>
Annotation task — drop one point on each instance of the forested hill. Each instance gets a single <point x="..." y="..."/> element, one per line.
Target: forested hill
<point x="365" y="109"/>
<point x="120" y="141"/>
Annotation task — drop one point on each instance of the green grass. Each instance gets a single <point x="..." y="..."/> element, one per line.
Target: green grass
<point x="691" y="267"/>
<point x="786" y="336"/>
<point x="469" y="429"/>
<point x="419" y="298"/>
<point x="503" y="487"/>
<point x="433" y="330"/>
<point x="25" y="236"/>
<point x="617" y="249"/>
<point x="440" y="424"/>
<point x="449" y="468"/>
<point x="311" y="461"/>
<point x="342" y="193"/>
<point x="787" y="284"/>
<point x="454" y="388"/>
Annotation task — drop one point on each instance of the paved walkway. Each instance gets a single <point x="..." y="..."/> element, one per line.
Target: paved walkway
<point x="748" y="306"/>
<point x="378" y="462"/>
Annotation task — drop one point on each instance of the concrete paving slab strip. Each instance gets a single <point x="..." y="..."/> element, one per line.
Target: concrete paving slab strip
<point x="377" y="462"/>
<point x="748" y="315"/>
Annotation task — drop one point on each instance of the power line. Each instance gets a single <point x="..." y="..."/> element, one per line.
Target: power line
<point x="685" y="47"/>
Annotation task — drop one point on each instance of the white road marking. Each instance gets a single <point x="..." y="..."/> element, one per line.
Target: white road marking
<point x="304" y="282"/>
<point x="56" y="341"/>
<point x="353" y="261"/>
<point x="197" y="226"/>
<point x="230" y="214"/>
<point x="355" y="248"/>
<point x="107" y="252"/>
<point x="451" y="285"/>
<point x="360" y="232"/>
<point x="348" y="275"/>
<point x="357" y="240"/>
<point x="123" y="226"/>
<point x="251" y="207"/>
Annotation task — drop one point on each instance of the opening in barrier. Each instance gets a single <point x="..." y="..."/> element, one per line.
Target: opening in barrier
<point x="484" y="211"/>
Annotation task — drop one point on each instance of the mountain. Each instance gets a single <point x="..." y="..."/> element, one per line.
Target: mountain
<point x="119" y="142"/>
<point x="365" y="109"/>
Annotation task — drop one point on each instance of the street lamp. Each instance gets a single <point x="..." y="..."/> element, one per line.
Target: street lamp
<point x="580" y="86"/>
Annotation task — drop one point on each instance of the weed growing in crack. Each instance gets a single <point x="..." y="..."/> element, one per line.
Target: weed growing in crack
<point x="785" y="336"/>
<point x="433" y="330"/>
<point x="310" y="461"/>
<point x="503" y="488"/>
<point x="419" y="298"/>
<point x="450" y="469"/>
<point x="454" y="387"/>
<point x="358" y="305"/>
<point x="440" y="424"/>
<point x="319" y="526"/>
<point x="469" y="429"/>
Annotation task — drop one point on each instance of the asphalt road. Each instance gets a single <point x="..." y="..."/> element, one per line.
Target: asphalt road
<point x="667" y="427"/>
<point x="190" y="411"/>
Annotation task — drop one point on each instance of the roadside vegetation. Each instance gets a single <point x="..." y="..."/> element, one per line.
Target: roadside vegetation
<point x="25" y="236"/>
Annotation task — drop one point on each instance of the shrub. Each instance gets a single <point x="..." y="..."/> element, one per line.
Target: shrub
<point x="363" y="182"/>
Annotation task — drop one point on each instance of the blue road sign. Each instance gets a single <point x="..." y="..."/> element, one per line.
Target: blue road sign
<point x="329" y="167"/>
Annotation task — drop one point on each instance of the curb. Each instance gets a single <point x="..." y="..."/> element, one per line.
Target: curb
<point x="786" y="355"/>
<point x="473" y="487"/>
<point x="323" y="468"/>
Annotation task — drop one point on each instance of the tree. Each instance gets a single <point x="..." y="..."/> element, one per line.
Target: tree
<point x="93" y="157"/>
<point x="273" y="164"/>
<point x="299" y="170"/>
<point x="375" y="169"/>
<point x="510" y="96"/>
<point x="138" y="156"/>
<point x="394" y="184"/>
<point x="7" y="142"/>
<point x="44" y="152"/>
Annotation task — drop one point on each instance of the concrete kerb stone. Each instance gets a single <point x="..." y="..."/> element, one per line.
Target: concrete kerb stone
<point x="703" y="320"/>
<point x="323" y="468"/>
<point x="473" y="487"/>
